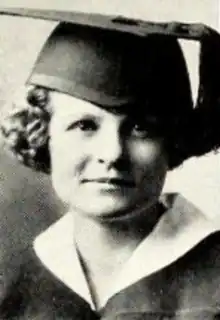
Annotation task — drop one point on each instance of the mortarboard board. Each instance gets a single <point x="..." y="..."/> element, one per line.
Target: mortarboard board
<point x="102" y="58"/>
<point x="193" y="31"/>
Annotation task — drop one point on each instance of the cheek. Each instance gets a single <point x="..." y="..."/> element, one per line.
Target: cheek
<point x="67" y="168"/>
<point x="148" y="160"/>
<point x="68" y="158"/>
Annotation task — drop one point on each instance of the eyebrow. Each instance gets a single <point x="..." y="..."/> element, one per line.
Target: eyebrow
<point x="81" y="116"/>
<point x="133" y="110"/>
<point x="126" y="109"/>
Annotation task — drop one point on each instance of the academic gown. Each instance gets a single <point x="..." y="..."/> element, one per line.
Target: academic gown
<point x="173" y="274"/>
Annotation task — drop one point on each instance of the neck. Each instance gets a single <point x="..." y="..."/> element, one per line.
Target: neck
<point x="106" y="245"/>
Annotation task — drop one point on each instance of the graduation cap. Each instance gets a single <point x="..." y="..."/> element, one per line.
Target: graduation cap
<point x="114" y="60"/>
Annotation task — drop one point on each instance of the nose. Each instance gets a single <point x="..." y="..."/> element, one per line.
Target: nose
<point x="111" y="148"/>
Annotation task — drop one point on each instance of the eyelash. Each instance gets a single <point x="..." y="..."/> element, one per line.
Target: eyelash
<point x="143" y="131"/>
<point x="144" y="128"/>
<point x="138" y="129"/>
<point x="84" y="125"/>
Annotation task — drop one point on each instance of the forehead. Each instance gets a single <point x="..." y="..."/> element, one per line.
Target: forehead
<point x="68" y="107"/>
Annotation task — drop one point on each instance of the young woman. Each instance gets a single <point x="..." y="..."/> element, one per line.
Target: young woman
<point x="107" y="114"/>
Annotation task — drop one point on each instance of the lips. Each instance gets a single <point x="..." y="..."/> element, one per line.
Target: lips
<point x="111" y="181"/>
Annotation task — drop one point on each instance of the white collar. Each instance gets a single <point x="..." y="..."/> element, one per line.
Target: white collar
<point x="181" y="228"/>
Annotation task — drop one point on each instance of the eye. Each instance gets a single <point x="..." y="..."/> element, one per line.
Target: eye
<point x="149" y="127"/>
<point x="140" y="130"/>
<point x="87" y="125"/>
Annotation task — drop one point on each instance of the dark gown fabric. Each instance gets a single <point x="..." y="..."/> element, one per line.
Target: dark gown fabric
<point x="189" y="288"/>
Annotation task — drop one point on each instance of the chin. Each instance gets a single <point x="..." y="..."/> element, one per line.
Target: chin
<point x="102" y="208"/>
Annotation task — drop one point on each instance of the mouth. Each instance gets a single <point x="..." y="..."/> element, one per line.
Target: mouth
<point x="116" y="182"/>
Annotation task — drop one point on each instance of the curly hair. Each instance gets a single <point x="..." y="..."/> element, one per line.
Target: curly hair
<point x="26" y="133"/>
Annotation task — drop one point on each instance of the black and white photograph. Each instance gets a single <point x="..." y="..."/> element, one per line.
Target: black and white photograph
<point x="109" y="160"/>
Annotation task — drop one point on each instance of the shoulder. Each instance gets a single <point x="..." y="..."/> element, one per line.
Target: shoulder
<point x="37" y="292"/>
<point x="199" y="272"/>
<point x="196" y="239"/>
<point x="194" y="279"/>
<point x="207" y="253"/>
<point x="23" y="287"/>
<point x="208" y="250"/>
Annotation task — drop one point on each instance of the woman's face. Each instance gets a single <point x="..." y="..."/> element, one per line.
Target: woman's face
<point x="104" y="164"/>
